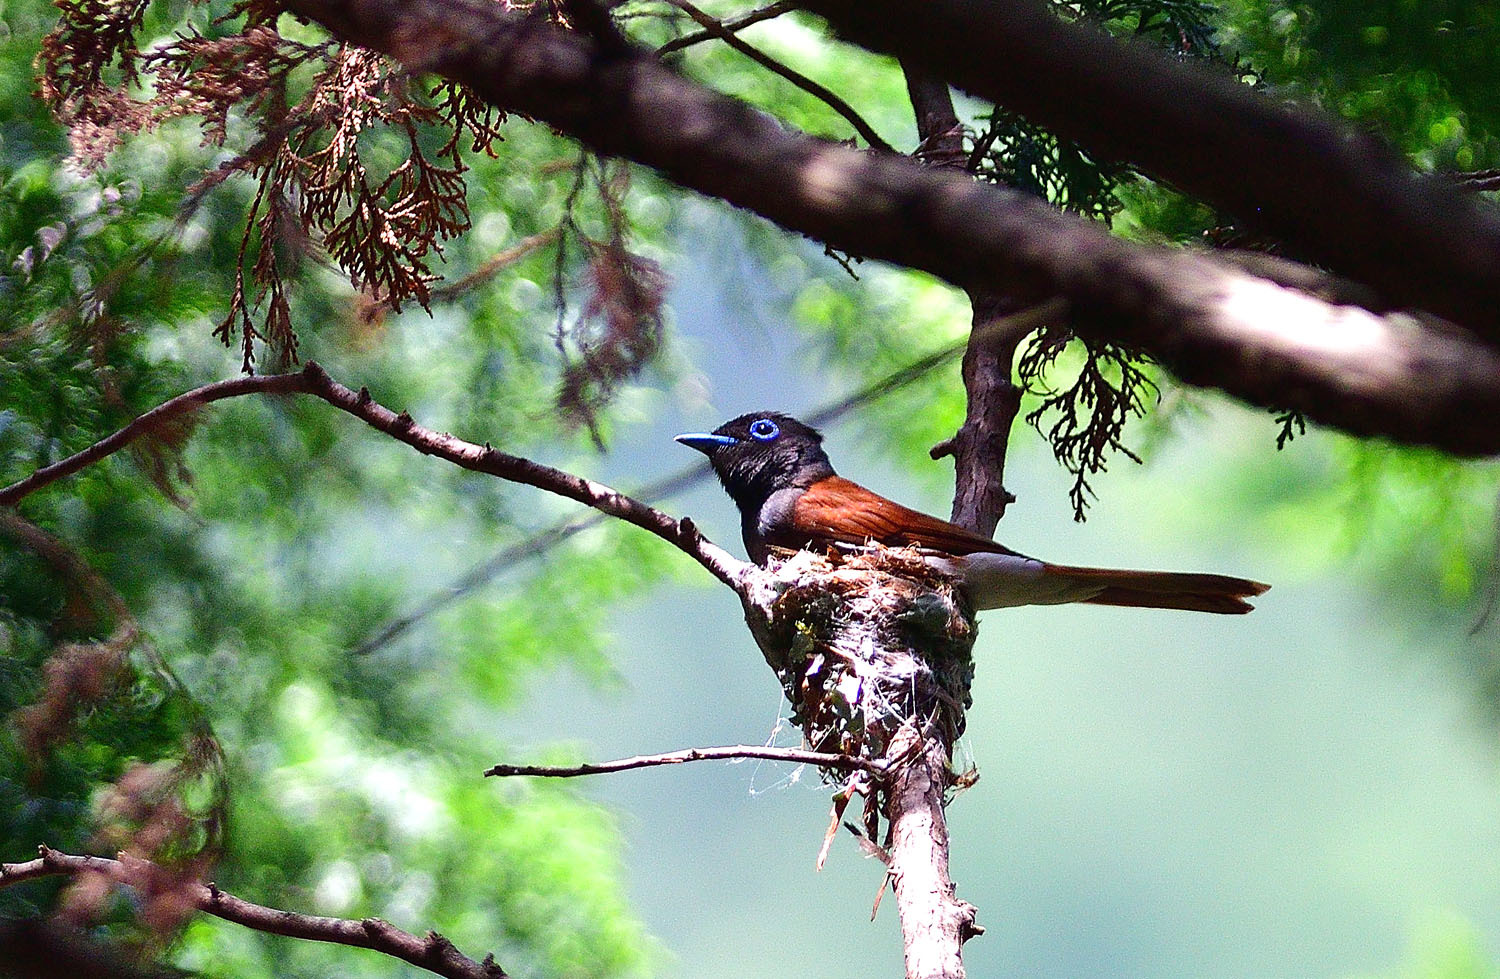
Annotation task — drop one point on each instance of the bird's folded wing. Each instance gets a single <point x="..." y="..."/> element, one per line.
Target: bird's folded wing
<point x="842" y="510"/>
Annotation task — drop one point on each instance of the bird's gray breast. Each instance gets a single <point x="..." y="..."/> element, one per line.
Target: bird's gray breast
<point x="771" y="523"/>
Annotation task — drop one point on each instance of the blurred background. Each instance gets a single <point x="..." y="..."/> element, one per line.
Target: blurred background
<point x="1311" y="790"/>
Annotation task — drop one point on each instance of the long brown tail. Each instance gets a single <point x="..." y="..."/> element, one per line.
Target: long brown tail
<point x="1218" y="593"/>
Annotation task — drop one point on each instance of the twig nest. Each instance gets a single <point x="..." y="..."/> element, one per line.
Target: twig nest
<point x="865" y="643"/>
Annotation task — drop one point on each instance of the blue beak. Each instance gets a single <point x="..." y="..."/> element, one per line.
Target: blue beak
<point x="706" y="443"/>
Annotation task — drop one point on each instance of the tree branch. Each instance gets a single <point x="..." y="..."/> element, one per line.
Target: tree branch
<point x="1211" y="324"/>
<point x="723" y="33"/>
<point x="992" y="400"/>
<point x="494" y="264"/>
<point x="1341" y="197"/>
<point x="313" y="380"/>
<point x="734" y="24"/>
<point x="433" y="952"/>
<point x="183" y="404"/>
<point x="796" y="756"/>
<point x="934" y="922"/>
<point x="651" y="494"/>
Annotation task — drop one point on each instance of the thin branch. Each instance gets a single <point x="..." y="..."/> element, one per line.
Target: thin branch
<point x="313" y="380"/>
<point x="734" y="24"/>
<point x="431" y="952"/>
<point x="718" y="29"/>
<point x="796" y="756"/>
<point x="179" y="406"/>
<point x="651" y="494"/>
<point x="494" y="264"/>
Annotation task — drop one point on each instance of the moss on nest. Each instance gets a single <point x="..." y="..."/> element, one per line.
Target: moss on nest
<point x="865" y="643"/>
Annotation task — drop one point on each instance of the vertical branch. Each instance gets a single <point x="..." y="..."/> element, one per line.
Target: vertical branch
<point x="932" y="938"/>
<point x="978" y="448"/>
<point x="934" y="922"/>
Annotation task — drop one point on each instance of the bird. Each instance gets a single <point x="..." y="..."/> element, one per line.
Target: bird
<point x="789" y="496"/>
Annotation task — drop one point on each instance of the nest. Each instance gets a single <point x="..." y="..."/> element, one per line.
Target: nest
<point x="865" y="644"/>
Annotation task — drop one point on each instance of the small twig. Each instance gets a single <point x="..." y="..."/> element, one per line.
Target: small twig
<point x="495" y="264"/>
<point x="1477" y="180"/>
<point x="733" y="24"/>
<point x="715" y="27"/>
<point x="855" y="784"/>
<point x="431" y="952"/>
<point x="315" y="381"/>
<point x="884" y="883"/>
<point x="796" y="756"/>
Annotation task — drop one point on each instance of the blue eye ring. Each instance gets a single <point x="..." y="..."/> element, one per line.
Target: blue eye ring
<point x="764" y="430"/>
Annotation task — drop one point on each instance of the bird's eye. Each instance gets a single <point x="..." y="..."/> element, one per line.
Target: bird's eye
<point x="764" y="429"/>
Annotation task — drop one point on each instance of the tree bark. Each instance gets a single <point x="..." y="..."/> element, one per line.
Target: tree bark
<point x="431" y="952"/>
<point x="934" y="922"/>
<point x="992" y="402"/>
<point x="1339" y="196"/>
<point x="992" y="399"/>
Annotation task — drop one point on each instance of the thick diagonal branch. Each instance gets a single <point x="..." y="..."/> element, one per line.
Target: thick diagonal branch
<point x="431" y="952"/>
<point x="313" y="380"/>
<point x="1210" y="323"/>
<point x="1337" y="195"/>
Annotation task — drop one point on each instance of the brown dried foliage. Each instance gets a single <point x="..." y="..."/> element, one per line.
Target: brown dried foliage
<point x="147" y="813"/>
<point x="1088" y="417"/>
<point x="325" y="168"/>
<point x="75" y="62"/>
<point x="143" y="818"/>
<point x="619" y="329"/>
<point x="75" y="678"/>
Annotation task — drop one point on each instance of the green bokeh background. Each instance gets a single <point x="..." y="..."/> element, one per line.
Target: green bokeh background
<point x="1309" y="791"/>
